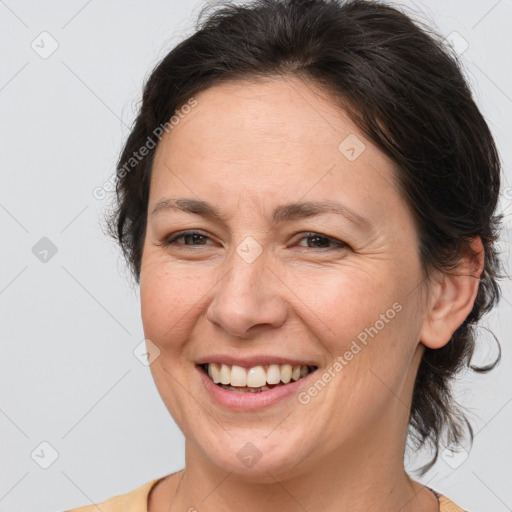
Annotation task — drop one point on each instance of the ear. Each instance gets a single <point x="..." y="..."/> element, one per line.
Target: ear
<point x="452" y="297"/>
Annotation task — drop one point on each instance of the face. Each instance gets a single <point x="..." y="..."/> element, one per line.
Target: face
<point x="276" y="236"/>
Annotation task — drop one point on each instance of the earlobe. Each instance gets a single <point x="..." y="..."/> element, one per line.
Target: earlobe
<point x="452" y="298"/>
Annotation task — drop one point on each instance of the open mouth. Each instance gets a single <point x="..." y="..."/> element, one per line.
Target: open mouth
<point x="257" y="378"/>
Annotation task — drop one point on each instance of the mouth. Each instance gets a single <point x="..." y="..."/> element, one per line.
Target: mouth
<point x="255" y="379"/>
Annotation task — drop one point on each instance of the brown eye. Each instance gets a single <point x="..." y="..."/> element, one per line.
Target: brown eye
<point x="319" y="241"/>
<point x="195" y="237"/>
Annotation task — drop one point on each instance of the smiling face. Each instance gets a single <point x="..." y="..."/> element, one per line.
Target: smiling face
<point x="334" y="284"/>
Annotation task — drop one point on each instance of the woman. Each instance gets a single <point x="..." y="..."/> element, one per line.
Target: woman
<point x="308" y="202"/>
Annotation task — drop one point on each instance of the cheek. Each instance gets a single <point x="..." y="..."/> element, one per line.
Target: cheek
<point x="369" y="320"/>
<point x="349" y="301"/>
<point x="168" y="298"/>
<point x="371" y="363"/>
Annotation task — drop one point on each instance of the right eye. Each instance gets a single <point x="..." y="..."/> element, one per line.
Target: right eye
<point x="191" y="235"/>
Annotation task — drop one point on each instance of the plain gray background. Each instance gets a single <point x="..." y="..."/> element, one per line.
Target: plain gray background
<point x="70" y="320"/>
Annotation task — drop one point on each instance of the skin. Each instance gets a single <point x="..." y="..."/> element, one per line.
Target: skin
<point x="248" y="147"/>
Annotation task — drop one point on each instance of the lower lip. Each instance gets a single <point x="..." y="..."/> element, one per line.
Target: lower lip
<point x="248" y="401"/>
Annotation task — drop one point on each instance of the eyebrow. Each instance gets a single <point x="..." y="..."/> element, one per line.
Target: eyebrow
<point x="283" y="213"/>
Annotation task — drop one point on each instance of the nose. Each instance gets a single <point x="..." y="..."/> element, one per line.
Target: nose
<point x="248" y="299"/>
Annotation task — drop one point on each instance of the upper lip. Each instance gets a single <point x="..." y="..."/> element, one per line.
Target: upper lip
<point x="256" y="360"/>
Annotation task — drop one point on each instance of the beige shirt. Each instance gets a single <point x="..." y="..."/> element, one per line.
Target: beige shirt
<point x="137" y="501"/>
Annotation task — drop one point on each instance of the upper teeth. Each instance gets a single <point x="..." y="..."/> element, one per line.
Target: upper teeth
<point x="256" y="376"/>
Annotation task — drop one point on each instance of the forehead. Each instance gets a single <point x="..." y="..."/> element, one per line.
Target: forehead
<point x="272" y="110"/>
<point x="268" y="138"/>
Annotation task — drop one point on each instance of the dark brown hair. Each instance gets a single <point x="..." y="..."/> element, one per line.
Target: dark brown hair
<point x="407" y="94"/>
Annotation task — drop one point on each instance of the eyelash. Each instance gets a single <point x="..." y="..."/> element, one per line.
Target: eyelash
<point x="339" y="244"/>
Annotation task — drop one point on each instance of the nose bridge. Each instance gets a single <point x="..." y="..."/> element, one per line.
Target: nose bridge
<point x="246" y="267"/>
<point x="245" y="296"/>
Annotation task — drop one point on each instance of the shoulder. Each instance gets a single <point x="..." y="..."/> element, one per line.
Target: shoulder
<point x="445" y="505"/>
<point x="137" y="501"/>
<point x="133" y="501"/>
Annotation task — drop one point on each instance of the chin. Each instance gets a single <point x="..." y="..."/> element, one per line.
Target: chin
<point x="261" y="459"/>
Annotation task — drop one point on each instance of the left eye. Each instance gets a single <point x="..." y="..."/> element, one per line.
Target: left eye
<point x="321" y="241"/>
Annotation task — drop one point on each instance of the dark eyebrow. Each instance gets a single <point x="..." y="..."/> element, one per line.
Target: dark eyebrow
<point x="195" y="206"/>
<point x="306" y="209"/>
<point x="283" y="213"/>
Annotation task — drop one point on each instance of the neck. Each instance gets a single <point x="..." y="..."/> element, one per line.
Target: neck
<point x="363" y="476"/>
